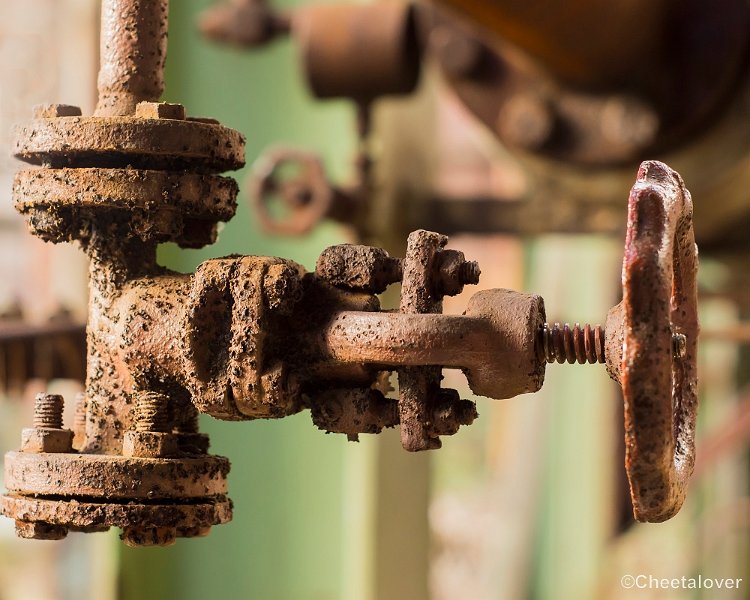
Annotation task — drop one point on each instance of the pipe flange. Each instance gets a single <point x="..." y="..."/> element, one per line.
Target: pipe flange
<point x="118" y="142"/>
<point x="114" y="477"/>
<point x="60" y="203"/>
<point x="87" y="514"/>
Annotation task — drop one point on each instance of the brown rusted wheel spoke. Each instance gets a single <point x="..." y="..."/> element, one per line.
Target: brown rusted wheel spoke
<point x="659" y="300"/>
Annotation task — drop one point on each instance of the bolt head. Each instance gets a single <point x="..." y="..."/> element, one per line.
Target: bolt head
<point x="45" y="439"/>
<point x="150" y="444"/>
<point x="454" y="271"/>
<point x="192" y="443"/>
<point x="160" y="110"/>
<point x="39" y="530"/>
<point x="52" y="111"/>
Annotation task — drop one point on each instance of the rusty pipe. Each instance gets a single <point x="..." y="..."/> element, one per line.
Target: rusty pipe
<point x="407" y="339"/>
<point x="494" y="342"/>
<point x="133" y="51"/>
<point x="592" y="43"/>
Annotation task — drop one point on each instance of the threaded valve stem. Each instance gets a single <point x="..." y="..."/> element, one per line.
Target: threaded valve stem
<point x="564" y="343"/>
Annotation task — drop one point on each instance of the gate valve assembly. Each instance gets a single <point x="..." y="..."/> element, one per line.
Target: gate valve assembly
<point x="247" y="337"/>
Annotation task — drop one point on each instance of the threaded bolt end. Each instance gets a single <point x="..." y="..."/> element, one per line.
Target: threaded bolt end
<point x="469" y="272"/>
<point x="151" y="412"/>
<point x="189" y="422"/>
<point x="561" y="344"/>
<point x="79" y="422"/>
<point x="48" y="411"/>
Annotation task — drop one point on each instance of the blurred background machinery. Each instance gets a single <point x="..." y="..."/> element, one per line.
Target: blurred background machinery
<point x="530" y="123"/>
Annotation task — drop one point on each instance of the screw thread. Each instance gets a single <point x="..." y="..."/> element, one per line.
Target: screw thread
<point x="469" y="272"/>
<point x="561" y="344"/>
<point x="48" y="411"/>
<point x="79" y="422"/>
<point x="151" y="412"/>
<point x="189" y="423"/>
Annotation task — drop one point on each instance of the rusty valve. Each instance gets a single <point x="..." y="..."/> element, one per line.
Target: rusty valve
<point x="502" y="341"/>
<point x="248" y="337"/>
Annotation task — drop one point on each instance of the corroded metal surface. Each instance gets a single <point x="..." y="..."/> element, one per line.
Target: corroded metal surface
<point x="133" y="52"/>
<point x="660" y="298"/>
<point x="136" y="174"/>
<point x="140" y="142"/>
<point x="256" y="337"/>
<point x="82" y="514"/>
<point x="97" y="476"/>
<point x="359" y="268"/>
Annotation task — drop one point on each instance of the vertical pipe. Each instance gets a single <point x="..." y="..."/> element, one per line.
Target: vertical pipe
<point x="133" y="51"/>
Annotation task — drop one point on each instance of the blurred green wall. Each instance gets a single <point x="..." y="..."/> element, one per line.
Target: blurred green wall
<point x="286" y="479"/>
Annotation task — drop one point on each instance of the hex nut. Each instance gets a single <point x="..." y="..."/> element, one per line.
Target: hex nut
<point x="40" y="530"/>
<point x="192" y="443"/>
<point x="52" y="111"/>
<point x="454" y="271"/>
<point x="148" y="536"/>
<point x="193" y="532"/>
<point x="150" y="444"/>
<point x="46" y="439"/>
<point x="160" y="110"/>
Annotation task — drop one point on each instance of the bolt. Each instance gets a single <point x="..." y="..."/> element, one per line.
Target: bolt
<point x="454" y="271"/>
<point x="151" y="436"/>
<point x="561" y="344"/>
<point x="160" y="110"/>
<point x="189" y="439"/>
<point x="47" y="434"/>
<point x="52" y="111"/>
<point x="79" y="420"/>
<point x="448" y="412"/>
<point x="48" y="411"/>
<point x="526" y="121"/>
<point x="151" y="412"/>
<point x="469" y="272"/>
<point x="189" y="423"/>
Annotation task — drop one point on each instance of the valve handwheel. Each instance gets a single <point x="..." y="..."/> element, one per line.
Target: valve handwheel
<point x="306" y="195"/>
<point x="658" y="370"/>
